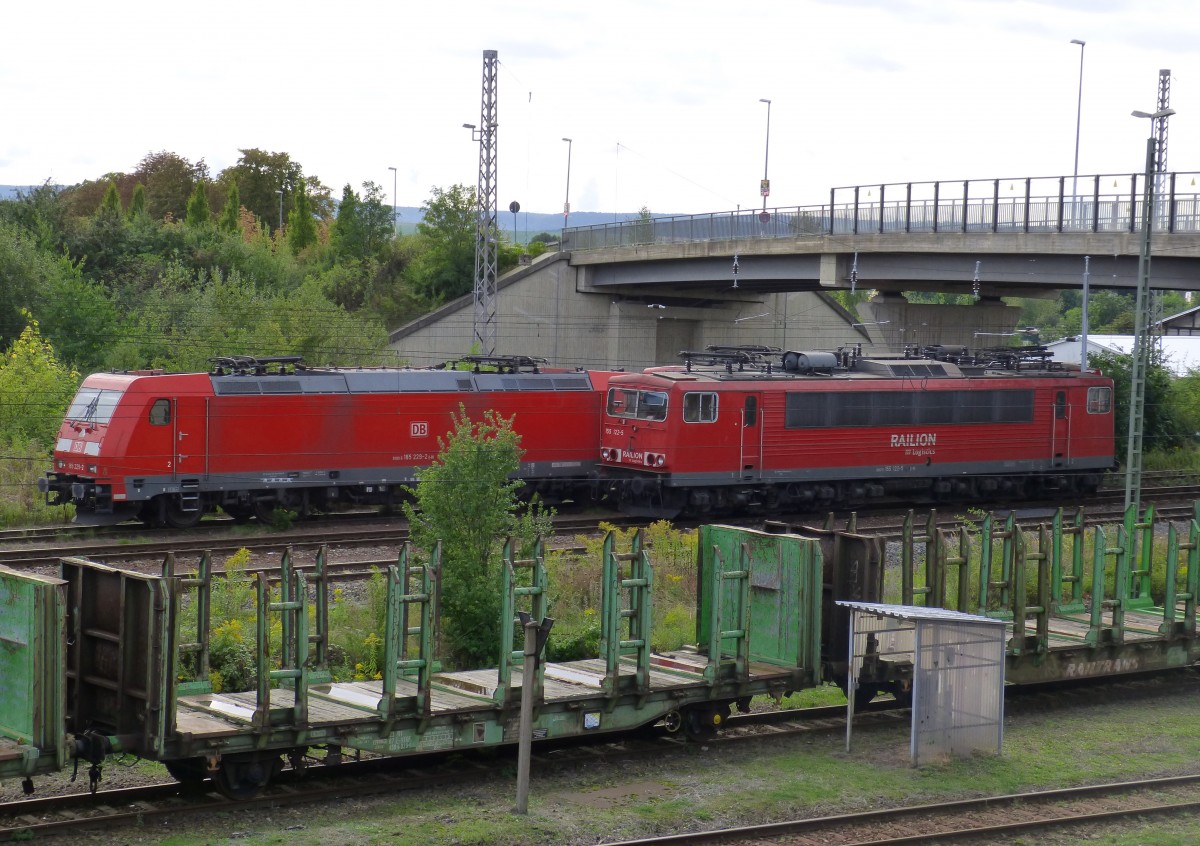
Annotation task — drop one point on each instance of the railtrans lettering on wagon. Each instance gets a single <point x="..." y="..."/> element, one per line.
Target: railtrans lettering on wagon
<point x="1109" y="666"/>
<point x="915" y="440"/>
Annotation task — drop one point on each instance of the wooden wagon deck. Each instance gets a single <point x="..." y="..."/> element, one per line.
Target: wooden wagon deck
<point x="218" y="715"/>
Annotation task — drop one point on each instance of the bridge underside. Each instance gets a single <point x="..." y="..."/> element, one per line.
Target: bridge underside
<point x="1031" y="265"/>
<point x="998" y="276"/>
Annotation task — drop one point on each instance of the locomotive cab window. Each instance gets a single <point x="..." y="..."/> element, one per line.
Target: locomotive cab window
<point x="92" y="405"/>
<point x="160" y="412"/>
<point x="699" y="407"/>
<point x="640" y="405"/>
<point x="1099" y="400"/>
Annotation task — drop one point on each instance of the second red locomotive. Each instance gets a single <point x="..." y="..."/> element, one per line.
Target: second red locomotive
<point x="741" y="427"/>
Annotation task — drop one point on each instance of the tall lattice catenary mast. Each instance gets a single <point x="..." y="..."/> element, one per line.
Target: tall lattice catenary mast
<point x="486" y="228"/>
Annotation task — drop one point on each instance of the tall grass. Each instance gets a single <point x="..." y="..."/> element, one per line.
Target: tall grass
<point x="22" y="463"/>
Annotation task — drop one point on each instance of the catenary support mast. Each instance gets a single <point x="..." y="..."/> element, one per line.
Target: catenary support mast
<point x="486" y="228"/>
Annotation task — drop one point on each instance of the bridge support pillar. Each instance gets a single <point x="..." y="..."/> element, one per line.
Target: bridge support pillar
<point x="892" y="322"/>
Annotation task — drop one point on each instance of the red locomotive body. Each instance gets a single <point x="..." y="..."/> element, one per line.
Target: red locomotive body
<point x="742" y="428"/>
<point x="257" y="434"/>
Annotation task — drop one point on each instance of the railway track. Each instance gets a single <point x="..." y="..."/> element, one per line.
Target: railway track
<point x="992" y="817"/>
<point x="37" y="548"/>
<point x="35" y="818"/>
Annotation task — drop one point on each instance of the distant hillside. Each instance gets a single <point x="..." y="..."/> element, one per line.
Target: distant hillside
<point x="527" y="223"/>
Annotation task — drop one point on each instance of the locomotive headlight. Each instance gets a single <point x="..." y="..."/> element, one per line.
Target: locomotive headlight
<point x="92" y="468"/>
<point x="660" y="461"/>
<point x="606" y="454"/>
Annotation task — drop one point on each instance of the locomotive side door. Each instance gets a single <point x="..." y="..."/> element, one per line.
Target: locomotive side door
<point x="751" y="438"/>
<point x="190" y="432"/>
<point x="1060" y="439"/>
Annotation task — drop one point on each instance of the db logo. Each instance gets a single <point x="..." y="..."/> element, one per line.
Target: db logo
<point x="419" y="430"/>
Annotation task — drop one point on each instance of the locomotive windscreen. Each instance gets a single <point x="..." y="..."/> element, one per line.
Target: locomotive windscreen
<point x="93" y="405"/>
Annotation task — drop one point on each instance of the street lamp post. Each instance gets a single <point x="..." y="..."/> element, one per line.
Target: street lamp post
<point x="1075" y="210"/>
<point x="393" y="170"/>
<point x="1141" y="343"/>
<point x="1078" y="117"/>
<point x="567" y="201"/>
<point x="765" y="188"/>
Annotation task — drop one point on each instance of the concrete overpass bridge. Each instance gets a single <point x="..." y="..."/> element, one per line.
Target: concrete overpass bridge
<point x="993" y="237"/>
<point x="636" y="292"/>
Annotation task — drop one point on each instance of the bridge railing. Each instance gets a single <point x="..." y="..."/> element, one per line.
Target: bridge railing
<point x="1108" y="203"/>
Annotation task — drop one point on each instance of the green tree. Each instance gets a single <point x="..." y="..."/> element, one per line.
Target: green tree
<point x="110" y="206"/>
<point x="445" y="268"/>
<point x="346" y="236"/>
<point x="35" y="388"/>
<point x="302" y="228"/>
<point x="198" y="212"/>
<point x="467" y="500"/>
<point x="230" y="220"/>
<point x="137" y="203"/>
<point x="1165" y="425"/>
<point x="169" y="179"/>
<point x="260" y="175"/>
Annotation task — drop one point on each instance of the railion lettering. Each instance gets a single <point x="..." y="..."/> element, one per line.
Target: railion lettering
<point x="920" y="439"/>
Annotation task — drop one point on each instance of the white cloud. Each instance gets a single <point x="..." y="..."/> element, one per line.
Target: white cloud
<point x="661" y="97"/>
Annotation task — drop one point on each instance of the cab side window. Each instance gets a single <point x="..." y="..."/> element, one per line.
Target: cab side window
<point x="1099" y="400"/>
<point x="160" y="412"/>
<point x="699" y="407"/>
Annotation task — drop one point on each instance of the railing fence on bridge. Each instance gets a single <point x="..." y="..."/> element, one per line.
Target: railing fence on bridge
<point x="1108" y="203"/>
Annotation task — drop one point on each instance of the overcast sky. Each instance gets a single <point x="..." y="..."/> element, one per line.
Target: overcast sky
<point x="660" y="97"/>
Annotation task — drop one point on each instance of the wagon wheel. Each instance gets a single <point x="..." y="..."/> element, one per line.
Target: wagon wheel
<point x="175" y="517"/>
<point x="244" y="776"/>
<point x="187" y="771"/>
<point x="864" y="694"/>
<point x="706" y="720"/>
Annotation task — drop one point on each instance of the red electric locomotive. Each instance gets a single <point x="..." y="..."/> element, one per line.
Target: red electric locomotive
<point x="259" y="434"/>
<point x="736" y="427"/>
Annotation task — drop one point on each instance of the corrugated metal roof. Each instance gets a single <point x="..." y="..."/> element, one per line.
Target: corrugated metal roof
<point x="917" y="612"/>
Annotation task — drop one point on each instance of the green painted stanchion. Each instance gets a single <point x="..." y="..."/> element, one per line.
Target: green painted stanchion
<point x="626" y="616"/>
<point x="1187" y="552"/>
<point x="739" y="599"/>
<point x="932" y="592"/>
<point x="202" y="583"/>
<point x="1022" y="642"/>
<point x="995" y="594"/>
<point x="1140" y="597"/>
<point x="409" y="584"/>
<point x="962" y="561"/>
<point x="906" y="560"/>
<point x="1064" y="601"/>
<point x="294" y="673"/>
<point x="515" y="572"/>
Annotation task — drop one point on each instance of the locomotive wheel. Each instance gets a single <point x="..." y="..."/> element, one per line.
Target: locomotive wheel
<point x="264" y="510"/>
<point x="177" y="518"/>
<point x="238" y="513"/>
<point x="244" y="776"/>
